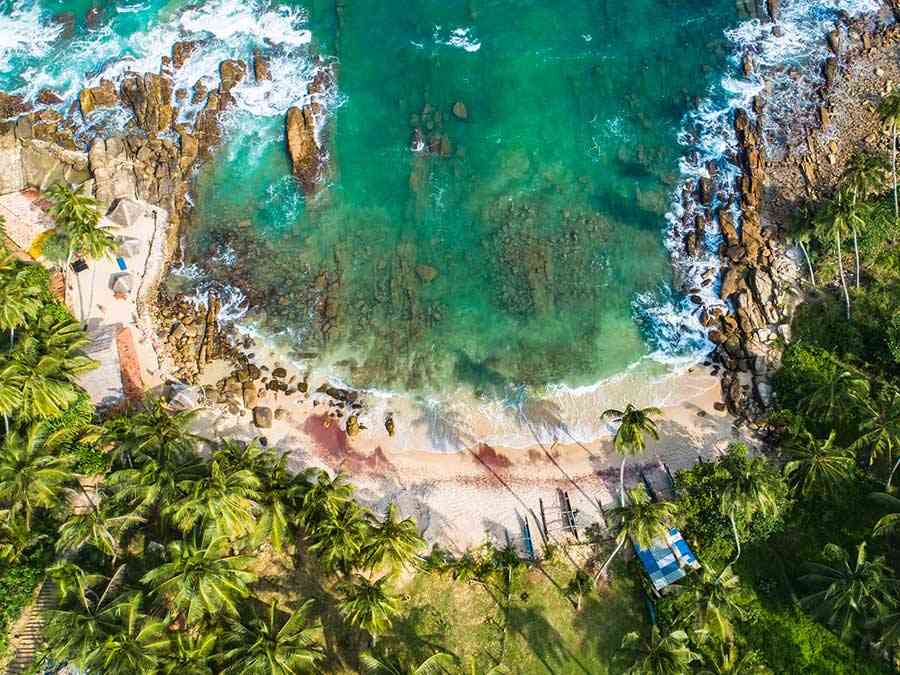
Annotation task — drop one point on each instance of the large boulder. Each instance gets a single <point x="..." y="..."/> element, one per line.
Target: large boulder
<point x="113" y="171"/>
<point x="181" y="52"/>
<point x="261" y="68"/>
<point x="149" y="97"/>
<point x="231" y="73"/>
<point x="262" y="416"/>
<point x="45" y="164"/>
<point x="12" y="105"/>
<point x="306" y="156"/>
<point x="102" y="96"/>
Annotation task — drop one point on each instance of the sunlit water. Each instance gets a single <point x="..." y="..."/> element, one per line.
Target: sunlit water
<point x="531" y="249"/>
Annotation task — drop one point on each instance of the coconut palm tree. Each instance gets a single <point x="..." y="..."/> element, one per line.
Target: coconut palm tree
<point x="189" y="654"/>
<point x="220" y="503"/>
<point x="658" y="654"/>
<point x="272" y="642"/>
<point x="890" y="114"/>
<point x="280" y="495"/>
<point x="200" y="581"/>
<point x="324" y="498"/>
<point x="337" y="541"/>
<point x="391" y="540"/>
<point x="863" y="176"/>
<point x="752" y="488"/>
<point x="633" y="423"/>
<point x="887" y="524"/>
<point x="33" y="474"/>
<point x="846" y="594"/>
<point x="153" y="433"/>
<point x="99" y="525"/>
<point x="368" y="605"/>
<point x="834" y="221"/>
<point x="715" y="601"/>
<point x="879" y="427"/>
<point x="724" y="658"/>
<point x="803" y="232"/>
<point x="642" y="521"/>
<point x="74" y="582"/>
<point x="579" y="586"/>
<point x="16" y="538"/>
<point x="837" y="397"/>
<point x="390" y="664"/>
<point x="20" y="297"/>
<point x="39" y="381"/>
<point x="817" y="466"/>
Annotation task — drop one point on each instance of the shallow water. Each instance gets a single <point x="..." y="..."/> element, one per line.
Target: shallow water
<point x="533" y="250"/>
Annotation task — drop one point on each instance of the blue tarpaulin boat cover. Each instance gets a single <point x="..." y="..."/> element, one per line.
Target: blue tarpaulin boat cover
<point x="667" y="560"/>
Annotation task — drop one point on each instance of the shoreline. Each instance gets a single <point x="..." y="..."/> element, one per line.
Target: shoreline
<point x="450" y="491"/>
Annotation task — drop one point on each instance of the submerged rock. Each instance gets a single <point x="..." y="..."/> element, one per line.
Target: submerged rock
<point x="460" y="111"/>
<point x="261" y="68"/>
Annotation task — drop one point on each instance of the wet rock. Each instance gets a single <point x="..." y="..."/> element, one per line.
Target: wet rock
<point x="103" y="96"/>
<point x="280" y="373"/>
<point x="262" y="417"/>
<point x="353" y="427"/>
<point x="48" y="97"/>
<point x="231" y="73"/>
<point x="773" y="7"/>
<point x="389" y="425"/>
<point x="182" y="51"/>
<point x="261" y="68"/>
<point x="426" y="273"/>
<point x="829" y="69"/>
<point x="67" y="21"/>
<point x="460" y="111"/>
<point x="306" y="156"/>
<point x="93" y="18"/>
<point x="249" y="395"/>
<point x="12" y="105"/>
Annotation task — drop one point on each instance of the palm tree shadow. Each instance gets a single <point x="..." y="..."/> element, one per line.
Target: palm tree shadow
<point x="446" y="428"/>
<point x="420" y="630"/>
<point x="544" y="640"/>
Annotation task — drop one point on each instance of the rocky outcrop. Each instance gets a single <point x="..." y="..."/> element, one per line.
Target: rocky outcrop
<point x="307" y="158"/>
<point x="27" y="159"/>
<point x="113" y="171"/>
<point x="261" y="69"/>
<point x="12" y="105"/>
<point x="181" y="52"/>
<point x="102" y="96"/>
<point x="149" y="96"/>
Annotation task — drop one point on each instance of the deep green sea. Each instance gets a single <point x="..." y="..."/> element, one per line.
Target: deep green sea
<point x="530" y="247"/>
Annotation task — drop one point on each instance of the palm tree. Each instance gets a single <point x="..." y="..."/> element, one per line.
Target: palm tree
<point x="887" y="524"/>
<point x="725" y="659"/>
<point x="77" y="220"/>
<point x="40" y="379"/>
<point x="199" y="581"/>
<point x="221" y="503"/>
<point x="890" y="112"/>
<point x="835" y="398"/>
<point x="368" y="605"/>
<point x="20" y="298"/>
<point x="392" y="540"/>
<point x="16" y="538"/>
<point x="629" y="439"/>
<point x="324" y="498"/>
<point x="97" y="525"/>
<point x="834" y="221"/>
<point x="817" y="466"/>
<point x="274" y="643"/>
<point x="189" y="654"/>
<point x="73" y="581"/>
<point x="280" y="494"/>
<point x="32" y="472"/>
<point x="642" y="521"/>
<point x="751" y="489"/>
<point x="802" y="232"/>
<point x="715" y="601"/>
<point x="153" y="433"/>
<point x="337" y="540"/>
<point x="880" y="427"/>
<point x="436" y="664"/>
<point x="864" y="176"/>
<point x="579" y="586"/>
<point x="848" y="594"/>
<point x="659" y="654"/>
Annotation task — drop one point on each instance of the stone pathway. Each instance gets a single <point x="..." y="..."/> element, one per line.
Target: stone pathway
<point x="27" y="633"/>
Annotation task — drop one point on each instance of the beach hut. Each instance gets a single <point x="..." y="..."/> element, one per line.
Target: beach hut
<point x="667" y="560"/>
<point x="126" y="213"/>
<point x="129" y="247"/>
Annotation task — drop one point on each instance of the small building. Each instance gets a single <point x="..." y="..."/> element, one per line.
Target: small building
<point x="667" y="560"/>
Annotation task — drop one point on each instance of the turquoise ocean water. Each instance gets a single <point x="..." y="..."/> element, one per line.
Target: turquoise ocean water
<point x="532" y="248"/>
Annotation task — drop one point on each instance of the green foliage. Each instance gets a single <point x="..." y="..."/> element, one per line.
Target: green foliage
<point x="804" y="369"/>
<point x="704" y="523"/>
<point x="17" y="584"/>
